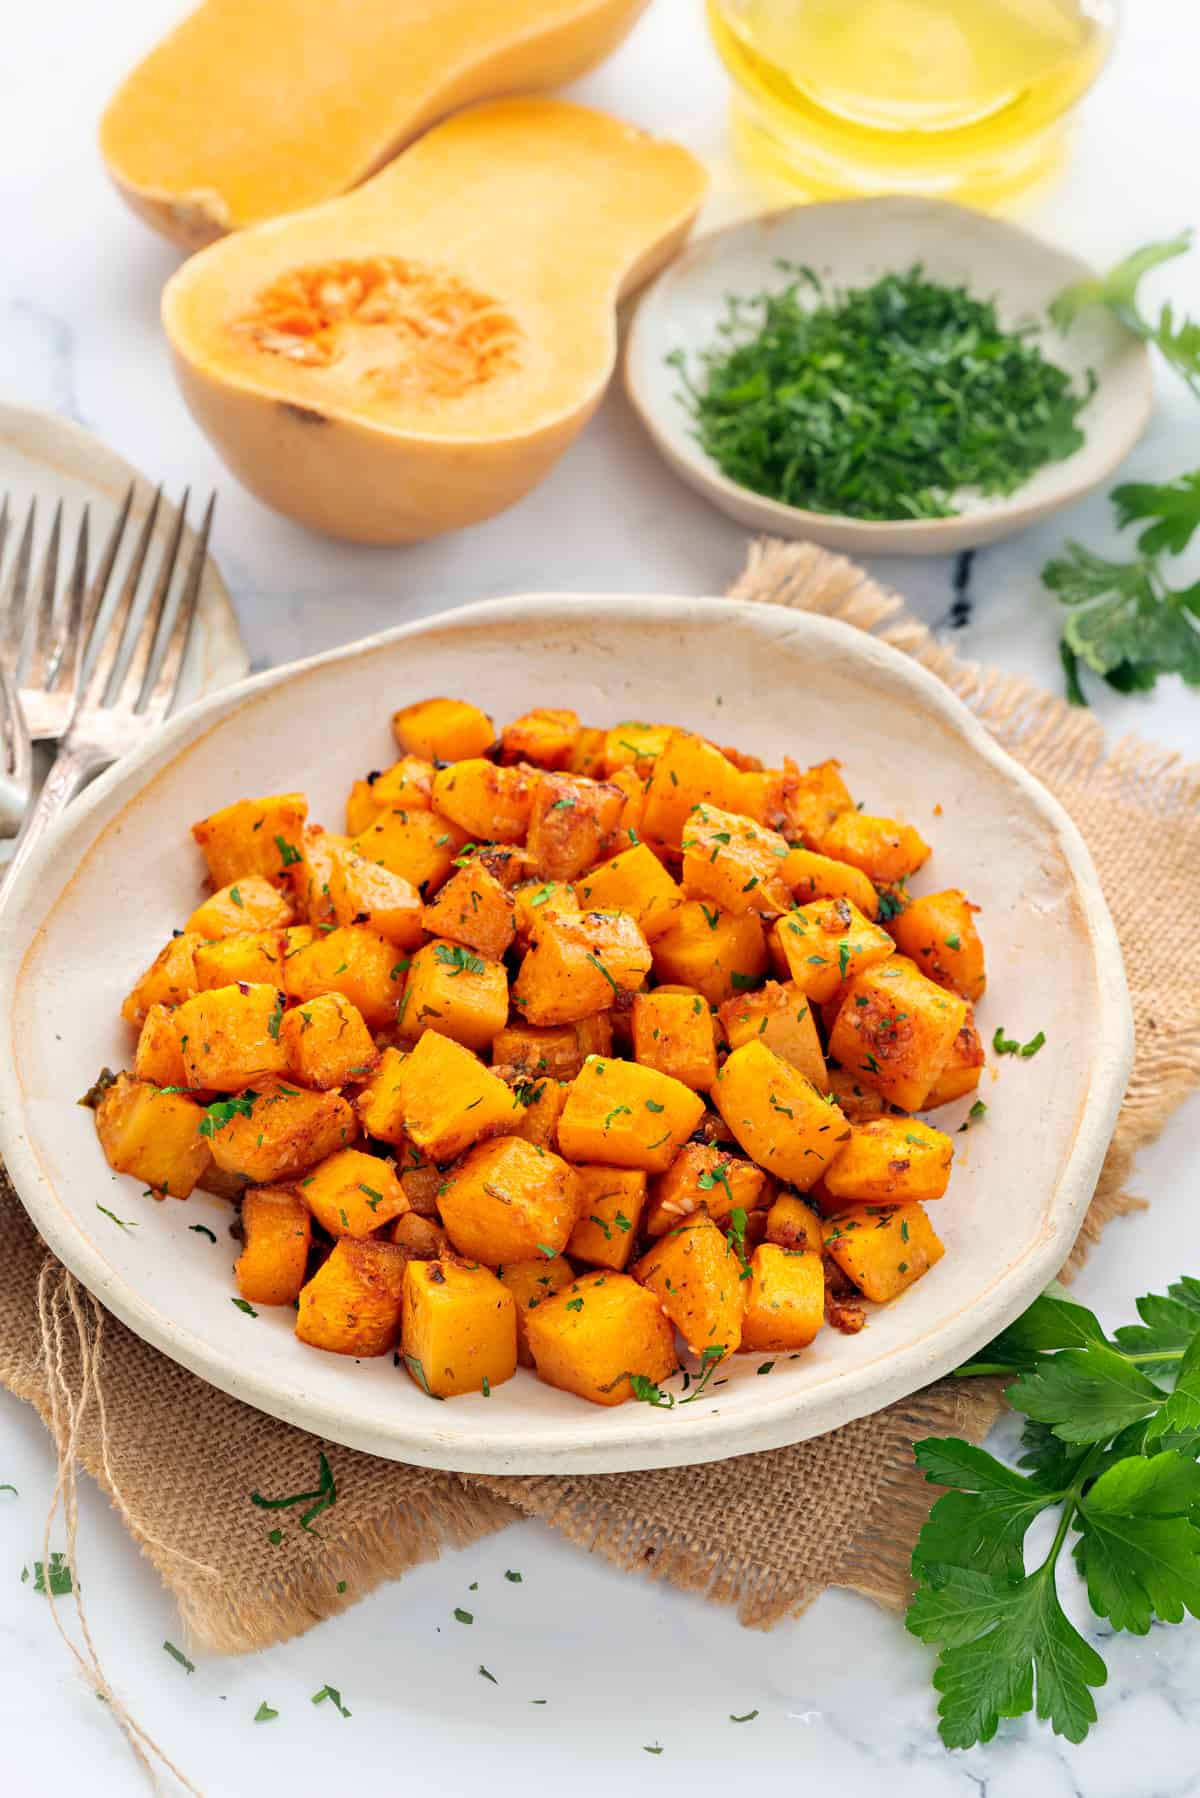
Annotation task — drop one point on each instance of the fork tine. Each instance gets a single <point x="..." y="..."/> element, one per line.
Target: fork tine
<point x="162" y="694"/>
<point x="114" y="637"/>
<point x="99" y="582"/>
<point x="40" y="628"/>
<point x="62" y="675"/>
<point x="16" y="595"/>
<point x="136" y="675"/>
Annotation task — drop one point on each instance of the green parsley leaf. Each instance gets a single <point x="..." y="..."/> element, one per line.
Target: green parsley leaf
<point x="289" y="855"/>
<point x="244" y="1305"/>
<point x="203" y="1230"/>
<point x="264" y="1713"/>
<point x="319" y="1499"/>
<point x="486" y="1675"/>
<point x="223" y="1111"/>
<point x="417" y="1370"/>
<point x="461" y="1616"/>
<point x="56" y="1579"/>
<point x="746" y="1717"/>
<point x="458" y="959"/>
<point x="119" y="1221"/>
<point x="511" y="1574"/>
<point x="333" y="1695"/>
<point x="177" y="1654"/>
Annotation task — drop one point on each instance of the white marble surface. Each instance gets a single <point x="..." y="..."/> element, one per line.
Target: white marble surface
<point x="843" y="1694"/>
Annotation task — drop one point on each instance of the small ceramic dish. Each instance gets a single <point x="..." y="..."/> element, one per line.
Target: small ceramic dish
<point x="850" y="243"/>
<point x="91" y="907"/>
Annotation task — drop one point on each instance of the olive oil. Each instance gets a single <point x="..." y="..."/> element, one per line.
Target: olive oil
<point x="930" y="96"/>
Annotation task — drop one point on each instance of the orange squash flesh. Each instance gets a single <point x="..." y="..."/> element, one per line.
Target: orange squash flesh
<point x="415" y="356"/>
<point x="251" y="108"/>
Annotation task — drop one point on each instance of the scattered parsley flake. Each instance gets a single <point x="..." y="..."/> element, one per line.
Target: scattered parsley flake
<point x="177" y="1654"/>
<point x="264" y="1713"/>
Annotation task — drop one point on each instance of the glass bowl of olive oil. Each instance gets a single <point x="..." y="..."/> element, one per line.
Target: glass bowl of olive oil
<point x="968" y="98"/>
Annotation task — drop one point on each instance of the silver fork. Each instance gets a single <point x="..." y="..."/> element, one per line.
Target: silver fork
<point x="16" y="758"/>
<point x="115" y="713"/>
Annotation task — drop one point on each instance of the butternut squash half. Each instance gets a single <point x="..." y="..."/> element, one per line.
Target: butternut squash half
<point x="251" y="108"/>
<point x="415" y="356"/>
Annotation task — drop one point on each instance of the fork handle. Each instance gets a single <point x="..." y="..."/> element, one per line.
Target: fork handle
<point x="72" y="767"/>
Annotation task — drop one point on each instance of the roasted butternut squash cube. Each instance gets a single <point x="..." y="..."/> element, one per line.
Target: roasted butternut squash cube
<point x="309" y="875"/>
<point x="704" y="1174"/>
<point x="780" y="1016"/>
<point x="354" y="1194"/>
<point x="611" y="1202"/>
<point x="733" y="862"/>
<point x="810" y="876"/>
<point x="354" y="960"/>
<point x="327" y="1042"/>
<point x="634" y="746"/>
<point x="378" y="1104"/>
<point x="419" y="846"/>
<point x="621" y="1115"/>
<point x="587" y="757"/>
<point x="253" y="836"/>
<point x="825" y="943"/>
<point x="230" y="1036"/>
<point x="158" y="1057"/>
<point x="557" y="1050"/>
<point x="447" y="1099"/>
<point x="811" y="800"/>
<point x="408" y="784"/>
<point x="546" y="737"/>
<point x="634" y="881"/>
<point x="452" y="990"/>
<point x="883" y="1250"/>
<point x="353" y="1303"/>
<point x="697" y="1279"/>
<point x="688" y="771"/>
<point x="361" y="806"/>
<point x="419" y="1237"/>
<point x="252" y="903"/>
<point x="961" y="1070"/>
<point x="443" y="730"/>
<point x="857" y="1102"/>
<point x="791" y="1224"/>
<point x="891" y="1161"/>
<point x="534" y="900"/>
<point x="475" y="909"/>
<point x="895" y="1031"/>
<point x="938" y="932"/>
<point x="883" y="848"/>
<point x="154" y="1136"/>
<point x="778" y="1116"/>
<point x="570" y="819"/>
<point x="626" y="832"/>
<point x="785" y="1298"/>
<point x="460" y="1328"/>
<point x="675" y="1033"/>
<point x="422" y="1181"/>
<point x="530" y="1282"/>
<point x="273" y="1132"/>
<point x="490" y="804"/>
<point x="361" y="892"/>
<point x="592" y="1335"/>
<point x="577" y="965"/>
<point x="169" y="980"/>
<point x="254" y="956"/>
<point x="509" y="1201"/>
<point x="717" y="952"/>
<point x="541" y="1104"/>
<point x="276" y="1236"/>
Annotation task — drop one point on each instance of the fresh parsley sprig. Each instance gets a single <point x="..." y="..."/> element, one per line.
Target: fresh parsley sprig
<point x="1111" y="1443"/>
<point x="1179" y="344"/>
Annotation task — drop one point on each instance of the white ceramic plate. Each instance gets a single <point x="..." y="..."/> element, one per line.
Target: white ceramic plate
<point x="851" y="243"/>
<point x="95" y="904"/>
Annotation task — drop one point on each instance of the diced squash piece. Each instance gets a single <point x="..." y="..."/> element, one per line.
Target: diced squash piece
<point x="733" y="862"/>
<point x="857" y="1102"/>
<point x="627" y="829"/>
<point x="507" y="861"/>
<point x="158" y="1057"/>
<point x="530" y="1282"/>
<point x="780" y="1016"/>
<point x="452" y="990"/>
<point x="785" y="1298"/>
<point x="443" y="730"/>
<point x="610" y="1208"/>
<point x="541" y="1103"/>
<point x="791" y="1224"/>
<point x="230" y="1036"/>
<point x="623" y="1115"/>
<point x="295" y="938"/>
<point x="688" y="771"/>
<point x="169" y="980"/>
<point x="634" y="881"/>
<point x="420" y="846"/>
<point x="327" y="1042"/>
<point x="717" y="952"/>
<point x="154" y="1136"/>
<point x="407" y="784"/>
<point x="255" y="956"/>
<point x="587" y="757"/>
<point x="378" y="1104"/>
<point x="490" y="804"/>
<point x="760" y="796"/>
<point x="273" y="1131"/>
<point x="570" y="819"/>
<point x="883" y="1251"/>
<point x="825" y="943"/>
<point x="634" y="746"/>
<point x="251" y="903"/>
<point x="577" y="965"/>
<point x="253" y="836"/>
<point x="353" y="1303"/>
<point x="811" y="801"/>
<point x="460" y="1328"/>
<point x="276" y="1235"/>
<point x="361" y="806"/>
<point x="675" y="1033"/>
<point x="419" y="1237"/>
<point x="361" y="892"/>
<point x="883" y="848"/>
<point x="447" y="1099"/>
<point x="810" y="876"/>
<point x="422" y="1182"/>
<point x="778" y="1116"/>
<point x="696" y="1278"/>
<point x="534" y="900"/>
<point x="938" y="932"/>
<point x="891" y="1161"/>
<point x="895" y="1031"/>
<point x="558" y="1050"/>
<point x="475" y="909"/>
<point x="702" y="1174"/>
<point x="310" y="874"/>
<point x="354" y="960"/>
<point x="960" y="1072"/>
<point x="354" y="1194"/>
<point x="546" y="737"/>
<point x="592" y="1335"/>
<point x="508" y="1201"/>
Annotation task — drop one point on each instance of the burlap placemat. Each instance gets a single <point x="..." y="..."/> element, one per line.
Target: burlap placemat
<point x="179" y="1459"/>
